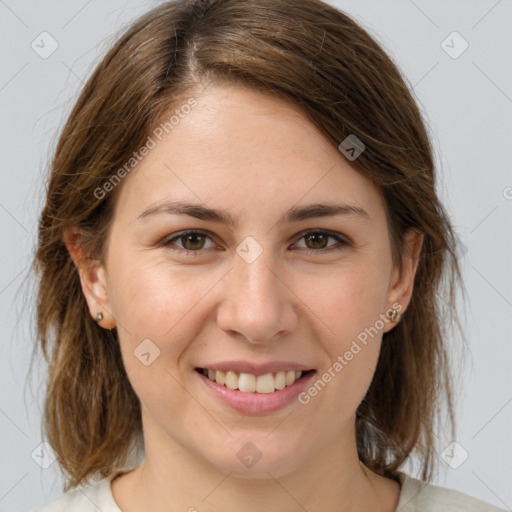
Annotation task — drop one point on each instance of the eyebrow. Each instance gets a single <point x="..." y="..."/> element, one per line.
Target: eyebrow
<point x="295" y="214"/>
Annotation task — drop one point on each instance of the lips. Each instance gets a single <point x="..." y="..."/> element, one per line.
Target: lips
<point x="256" y="402"/>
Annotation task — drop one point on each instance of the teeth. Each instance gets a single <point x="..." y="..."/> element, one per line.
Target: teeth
<point x="290" y="378"/>
<point x="220" y="377"/>
<point x="280" y="380"/>
<point x="265" y="383"/>
<point x="248" y="383"/>
<point x="231" y="380"/>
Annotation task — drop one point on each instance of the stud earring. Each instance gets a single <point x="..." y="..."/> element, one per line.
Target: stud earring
<point x="99" y="317"/>
<point x="395" y="315"/>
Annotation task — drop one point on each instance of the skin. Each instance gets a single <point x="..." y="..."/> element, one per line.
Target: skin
<point x="256" y="157"/>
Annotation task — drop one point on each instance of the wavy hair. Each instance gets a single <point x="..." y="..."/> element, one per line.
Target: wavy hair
<point x="301" y="51"/>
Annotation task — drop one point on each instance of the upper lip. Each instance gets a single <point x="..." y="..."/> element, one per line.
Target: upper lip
<point x="255" y="369"/>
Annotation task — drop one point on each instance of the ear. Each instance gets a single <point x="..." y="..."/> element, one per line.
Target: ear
<point x="402" y="280"/>
<point x="92" y="279"/>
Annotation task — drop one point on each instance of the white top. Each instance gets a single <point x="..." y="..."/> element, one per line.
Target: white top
<point x="415" y="496"/>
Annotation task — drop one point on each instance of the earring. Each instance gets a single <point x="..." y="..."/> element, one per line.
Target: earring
<point x="395" y="315"/>
<point x="99" y="317"/>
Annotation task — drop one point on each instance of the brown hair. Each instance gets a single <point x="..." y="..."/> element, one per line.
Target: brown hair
<point x="317" y="58"/>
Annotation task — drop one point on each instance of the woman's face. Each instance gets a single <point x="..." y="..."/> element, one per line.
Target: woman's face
<point x="255" y="296"/>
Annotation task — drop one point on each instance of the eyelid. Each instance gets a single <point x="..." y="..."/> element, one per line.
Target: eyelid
<point x="341" y="239"/>
<point x="167" y="240"/>
<point x="334" y="234"/>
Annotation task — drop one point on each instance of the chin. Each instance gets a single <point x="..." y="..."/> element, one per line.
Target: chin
<point x="260" y="459"/>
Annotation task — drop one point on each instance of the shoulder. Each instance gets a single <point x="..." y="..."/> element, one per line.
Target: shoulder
<point x="418" y="496"/>
<point x="89" y="498"/>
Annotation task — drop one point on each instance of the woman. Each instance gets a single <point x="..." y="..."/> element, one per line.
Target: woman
<point x="240" y="261"/>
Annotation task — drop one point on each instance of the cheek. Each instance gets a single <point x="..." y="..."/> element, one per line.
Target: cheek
<point x="152" y="300"/>
<point x="346" y="301"/>
<point x="158" y="308"/>
<point x="346" y="307"/>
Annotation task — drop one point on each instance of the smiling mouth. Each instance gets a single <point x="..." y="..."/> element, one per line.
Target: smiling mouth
<point x="249" y="383"/>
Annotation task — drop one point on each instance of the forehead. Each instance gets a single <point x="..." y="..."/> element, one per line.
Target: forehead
<point x="245" y="152"/>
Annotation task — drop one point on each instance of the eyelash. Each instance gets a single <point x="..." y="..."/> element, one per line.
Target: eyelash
<point x="189" y="252"/>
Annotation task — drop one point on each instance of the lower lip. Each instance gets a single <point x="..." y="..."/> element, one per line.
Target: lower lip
<point x="257" y="403"/>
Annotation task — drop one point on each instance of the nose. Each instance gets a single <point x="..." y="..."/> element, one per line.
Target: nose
<point x="258" y="304"/>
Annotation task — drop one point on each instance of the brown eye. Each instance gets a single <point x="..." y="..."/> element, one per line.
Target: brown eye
<point x="188" y="241"/>
<point x="317" y="240"/>
<point x="193" y="241"/>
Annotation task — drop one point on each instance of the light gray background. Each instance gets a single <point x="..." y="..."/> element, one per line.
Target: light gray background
<point x="467" y="102"/>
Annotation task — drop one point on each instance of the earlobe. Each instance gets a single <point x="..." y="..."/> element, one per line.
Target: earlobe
<point x="92" y="280"/>
<point x="402" y="284"/>
<point x="97" y="296"/>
